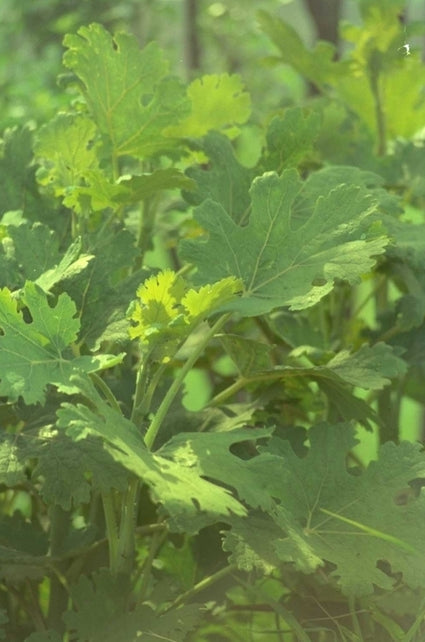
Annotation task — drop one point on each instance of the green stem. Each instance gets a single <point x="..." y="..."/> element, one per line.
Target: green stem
<point x="140" y="389"/>
<point x="161" y="413"/>
<point x="33" y="607"/>
<point x="355" y="620"/>
<point x="106" y="391"/>
<point x="225" y="394"/>
<point x="242" y="382"/>
<point x="145" y="388"/>
<point x="159" y="373"/>
<point x="387" y="411"/>
<point x="277" y="607"/>
<point x="200" y="586"/>
<point x="417" y="624"/>
<point x="111" y="531"/>
<point x="157" y="541"/>
<point x="115" y="164"/>
<point x="126" y="541"/>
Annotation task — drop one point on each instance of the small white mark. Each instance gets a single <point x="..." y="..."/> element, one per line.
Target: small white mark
<point x="405" y="48"/>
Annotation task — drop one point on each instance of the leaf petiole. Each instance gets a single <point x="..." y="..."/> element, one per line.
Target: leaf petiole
<point x="161" y="413"/>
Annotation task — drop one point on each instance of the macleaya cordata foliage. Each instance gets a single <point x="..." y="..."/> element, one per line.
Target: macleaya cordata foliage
<point x="167" y="310"/>
<point x="288" y="299"/>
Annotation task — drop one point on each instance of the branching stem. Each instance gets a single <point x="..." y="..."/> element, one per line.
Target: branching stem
<point x="178" y="381"/>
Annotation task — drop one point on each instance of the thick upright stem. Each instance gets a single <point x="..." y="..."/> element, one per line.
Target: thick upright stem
<point x="111" y="531"/>
<point x="178" y="381"/>
<point x="126" y="543"/>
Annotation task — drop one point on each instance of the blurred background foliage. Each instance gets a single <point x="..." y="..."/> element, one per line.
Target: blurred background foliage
<point x="199" y="36"/>
<point x="205" y="36"/>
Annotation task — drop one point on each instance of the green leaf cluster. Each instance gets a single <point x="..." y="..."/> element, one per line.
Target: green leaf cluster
<point x="142" y="258"/>
<point x="167" y="311"/>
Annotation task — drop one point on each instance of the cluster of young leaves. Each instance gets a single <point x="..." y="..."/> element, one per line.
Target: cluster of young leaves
<point x="133" y="109"/>
<point x="166" y="311"/>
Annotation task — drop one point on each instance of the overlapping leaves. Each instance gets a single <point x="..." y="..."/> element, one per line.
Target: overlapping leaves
<point x="316" y="510"/>
<point x="280" y="262"/>
<point x="129" y="94"/>
<point x="35" y="354"/>
<point x="167" y="309"/>
<point x="190" y="501"/>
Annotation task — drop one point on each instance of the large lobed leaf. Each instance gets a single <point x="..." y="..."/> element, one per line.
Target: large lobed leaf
<point x="130" y="96"/>
<point x="190" y="501"/>
<point x="368" y="526"/>
<point x="280" y="261"/>
<point x="36" y="354"/>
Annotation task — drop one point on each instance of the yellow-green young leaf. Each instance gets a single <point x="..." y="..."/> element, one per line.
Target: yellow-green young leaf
<point x="159" y="297"/>
<point x="127" y="90"/>
<point x="218" y="102"/>
<point x="166" y="309"/>
<point x="199" y="303"/>
<point x="66" y="152"/>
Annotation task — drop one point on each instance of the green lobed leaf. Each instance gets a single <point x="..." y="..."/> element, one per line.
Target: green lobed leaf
<point x="219" y="102"/>
<point x="318" y="65"/>
<point x="280" y="263"/>
<point x="35" y="354"/>
<point x="225" y="180"/>
<point x="290" y="139"/>
<point x="128" y="93"/>
<point x="19" y="567"/>
<point x="190" y="501"/>
<point x="329" y="514"/>
<point x="250" y="357"/>
<point x="406" y="265"/>
<point x="87" y="464"/>
<point x="210" y="455"/>
<point x="104" y="287"/>
<point x="71" y="264"/>
<point x="18" y="533"/>
<point x="145" y="186"/>
<point x="12" y="465"/>
<point x="31" y="252"/>
<point x="18" y="188"/>
<point x="65" y="147"/>
<point x="370" y="368"/>
<point x="26" y="251"/>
